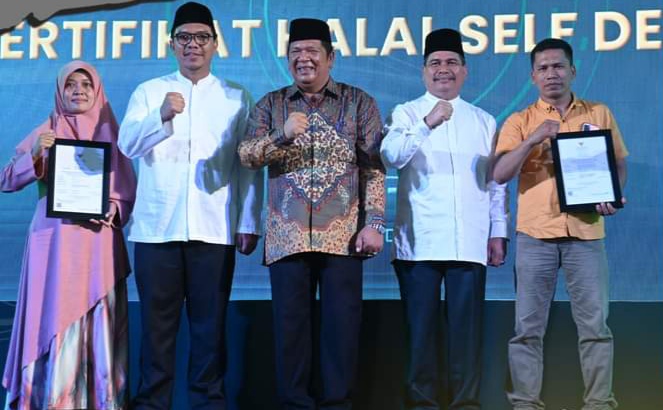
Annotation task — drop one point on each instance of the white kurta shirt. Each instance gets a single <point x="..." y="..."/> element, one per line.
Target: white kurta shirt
<point x="446" y="209"/>
<point x="191" y="185"/>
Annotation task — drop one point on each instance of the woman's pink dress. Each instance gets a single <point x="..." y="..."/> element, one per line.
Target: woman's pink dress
<point x="69" y="340"/>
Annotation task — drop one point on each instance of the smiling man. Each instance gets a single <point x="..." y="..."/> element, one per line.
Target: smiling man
<point x="319" y="140"/>
<point x="195" y="205"/>
<point x="451" y="221"/>
<point x="548" y="239"/>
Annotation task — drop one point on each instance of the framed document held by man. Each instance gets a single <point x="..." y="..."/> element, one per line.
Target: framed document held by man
<point x="585" y="170"/>
<point x="78" y="179"/>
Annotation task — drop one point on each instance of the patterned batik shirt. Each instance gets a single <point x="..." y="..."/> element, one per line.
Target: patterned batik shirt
<point x="327" y="183"/>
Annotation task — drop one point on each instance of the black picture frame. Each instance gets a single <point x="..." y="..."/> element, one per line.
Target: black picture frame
<point x="54" y="211"/>
<point x="564" y="166"/>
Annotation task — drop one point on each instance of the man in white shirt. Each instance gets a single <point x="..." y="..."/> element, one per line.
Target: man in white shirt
<point x="195" y="204"/>
<point x="451" y="220"/>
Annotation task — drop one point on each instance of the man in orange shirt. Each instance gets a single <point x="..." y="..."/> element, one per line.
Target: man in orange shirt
<point x="548" y="238"/>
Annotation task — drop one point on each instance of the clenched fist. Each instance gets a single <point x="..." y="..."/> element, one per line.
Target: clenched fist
<point x="173" y="104"/>
<point x="296" y="124"/>
<point x="44" y="141"/>
<point x="440" y="113"/>
<point x="547" y="129"/>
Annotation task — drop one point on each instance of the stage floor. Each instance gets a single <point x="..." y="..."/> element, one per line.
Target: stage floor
<point x="637" y="327"/>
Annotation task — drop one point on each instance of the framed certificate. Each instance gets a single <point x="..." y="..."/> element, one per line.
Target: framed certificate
<point x="585" y="170"/>
<point x="78" y="179"/>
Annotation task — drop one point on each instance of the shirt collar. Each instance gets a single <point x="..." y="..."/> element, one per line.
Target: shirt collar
<point x="203" y="81"/>
<point x="330" y="89"/>
<point x="548" y="108"/>
<point x="454" y="101"/>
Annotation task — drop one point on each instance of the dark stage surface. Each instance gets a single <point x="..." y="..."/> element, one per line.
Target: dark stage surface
<point x="637" y="328"/>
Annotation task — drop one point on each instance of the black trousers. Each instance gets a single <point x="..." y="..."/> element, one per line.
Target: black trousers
<point x="294" y="282"/>
<point x="168" y="275"/>
<point x="465" y="284"/>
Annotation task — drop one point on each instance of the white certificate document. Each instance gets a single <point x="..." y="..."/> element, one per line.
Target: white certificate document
<point x="78" y="179"/>
<point x="585" y="170"/>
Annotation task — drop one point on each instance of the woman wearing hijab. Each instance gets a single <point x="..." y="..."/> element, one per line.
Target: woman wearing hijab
<point x="69" y="340"/>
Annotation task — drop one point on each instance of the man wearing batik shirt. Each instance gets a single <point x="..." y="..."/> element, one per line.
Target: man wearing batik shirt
<point x="320" y="141"/>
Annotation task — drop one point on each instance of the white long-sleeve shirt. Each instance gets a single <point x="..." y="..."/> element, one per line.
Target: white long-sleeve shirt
<point x="446" y="209"/>
<point x="191" y="185"/>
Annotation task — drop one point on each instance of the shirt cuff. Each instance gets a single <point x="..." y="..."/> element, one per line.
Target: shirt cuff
<point x="155" y="126"/>
<point x="422" y="129"/>
<point x="278" y="138"/>
<point x="502" y="150"/>
<point x="167" y="128"/>
<point x="250" y="229"/>
<point x="498" y="229"/>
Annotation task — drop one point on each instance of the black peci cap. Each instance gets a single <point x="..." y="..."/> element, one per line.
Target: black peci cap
<point x="309" y="29"/>
<point x="444" y="39"/>
<point x="192" y="12"/>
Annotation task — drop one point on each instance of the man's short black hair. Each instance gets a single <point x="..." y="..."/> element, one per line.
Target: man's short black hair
<point x="552" y="43"/>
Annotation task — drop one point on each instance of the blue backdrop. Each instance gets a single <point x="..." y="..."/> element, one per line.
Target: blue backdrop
<point x="618" y="58"/>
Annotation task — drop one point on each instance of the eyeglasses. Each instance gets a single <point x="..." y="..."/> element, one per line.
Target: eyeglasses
<point x="183" y="38"/>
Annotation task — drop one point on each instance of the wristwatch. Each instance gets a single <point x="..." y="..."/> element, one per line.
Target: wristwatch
<point x="378" y="227"/>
